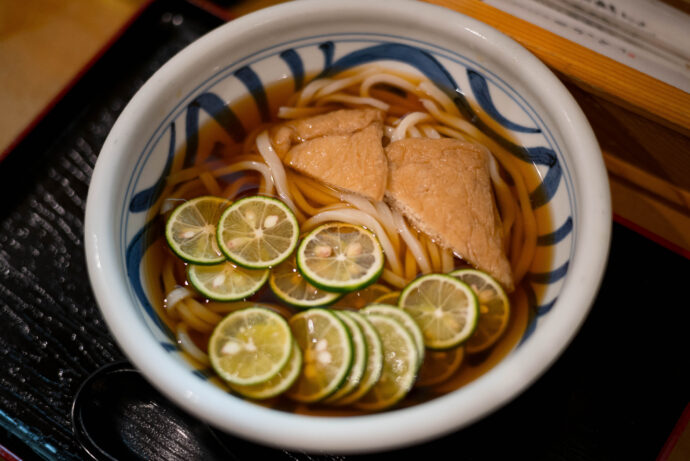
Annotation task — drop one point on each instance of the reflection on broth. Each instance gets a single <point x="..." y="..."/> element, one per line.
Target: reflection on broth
<point x="386" y="116"/>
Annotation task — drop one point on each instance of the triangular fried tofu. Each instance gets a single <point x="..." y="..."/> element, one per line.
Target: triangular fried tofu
<point x="352" y="162"/>
<point x="444" y="189"/>
<point x="338" y="122"/>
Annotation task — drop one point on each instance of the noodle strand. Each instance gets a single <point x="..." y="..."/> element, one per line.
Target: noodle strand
<point x="412" y="243"/>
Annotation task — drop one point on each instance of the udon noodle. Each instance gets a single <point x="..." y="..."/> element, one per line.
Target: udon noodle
<point x="414" y="108"/>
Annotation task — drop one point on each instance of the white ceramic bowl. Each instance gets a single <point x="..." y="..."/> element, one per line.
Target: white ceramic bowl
<point x="296" y="39"/>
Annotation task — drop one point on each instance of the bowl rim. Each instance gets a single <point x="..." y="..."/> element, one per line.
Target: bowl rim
<point x="380" y="431"/>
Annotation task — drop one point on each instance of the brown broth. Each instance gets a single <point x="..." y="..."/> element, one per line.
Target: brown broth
<point x="214" y="139"/>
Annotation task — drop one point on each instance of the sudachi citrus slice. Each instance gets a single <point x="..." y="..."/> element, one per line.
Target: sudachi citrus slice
<point x="445" y="308"/>
<point x="374" y="365"/>
<point x="226" y="281"/>
<point x="399" y="365"/>
<point x="191" y="230"/>
<point x="327" y="352"/>
<point x="340" y="257"/>
<point x="279" y="383"/>
<point x="359" y="358"/>
<point x="257" y="232"/>
<point x="360" y="298"/>
<point x="388" y="298"/>
<point x="288" y="284"/>
<point x="438" y="366"/>
<point x="250" y="346"/>
<point x="494" y="309"/>
<point x="405" y="319"/>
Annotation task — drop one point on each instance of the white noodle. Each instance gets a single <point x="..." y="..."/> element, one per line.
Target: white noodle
<point x="359" y="202"/>
<point x="408" y="122"/>
<point x="361" y="218"/>
<point x="447" y="262"/>
<point x="453" y="133"/>
<point x="412" y="243"/>
<point x="385" y="216"/>
<point x="188" y="345"/>
<point x="334" y="206"/>
<point x="177" y="295"/>
<point x="308" y="91"/>
<point x="288" y="112"/>
<point x="434" y="92"/>
<point x="354" y="100"/>
<point x="248" y="165"/>
<point x="414" y="132"/>
<point x="393" y="279"/>
<point x="385" y="78"/>
<point x="169" y="204"/>
<point x="496" y="178"/>
<point x="450" y="120"/>
<point x="277" y="169"/>
<point x="430" y="132"/>
<point x="339" y="84"/>
<point x="377" y="210"/>
<point x="502" y="192"/>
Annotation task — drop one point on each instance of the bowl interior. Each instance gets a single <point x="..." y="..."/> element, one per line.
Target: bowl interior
<point x="237" y="76"/>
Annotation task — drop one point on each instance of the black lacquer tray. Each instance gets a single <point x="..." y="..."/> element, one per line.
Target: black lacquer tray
<point x="616" y="393"/>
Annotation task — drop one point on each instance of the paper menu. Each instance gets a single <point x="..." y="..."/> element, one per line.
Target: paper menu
<point x="647" y="35"/>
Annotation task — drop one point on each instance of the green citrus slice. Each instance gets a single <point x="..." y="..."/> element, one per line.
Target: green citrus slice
<point x="405" y="319"/>
<point x="445" y="308"/>
<point x="340" y="257"/>
<point x="279" y="383"/>
<point x="226" y="281"/>
<point x="288" y="284"/>
<point x="250" y="346"/>
<point x="374" y="365"/>
<point x="327" y="352"/>
<point x="359" y="360"/>
<point x="360" y="298"/>
<point x="399" y="365"/>
<point x="258" y="232"/>
<point x="494" y="309"/>
<point x="191" y="230"/>
<point x="438" y="366"/>
<point x="388" y="298"/>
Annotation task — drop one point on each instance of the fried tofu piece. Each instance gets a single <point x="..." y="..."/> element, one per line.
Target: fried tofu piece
<point x="444" y="189"/>
<point x="353" y="162"/>
<point x="339" y="122"/>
